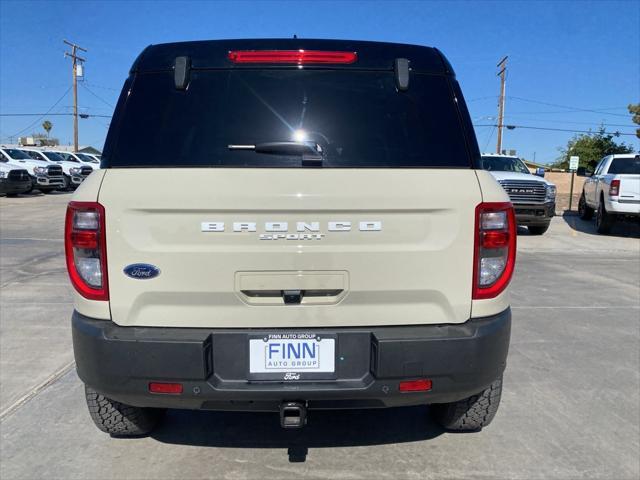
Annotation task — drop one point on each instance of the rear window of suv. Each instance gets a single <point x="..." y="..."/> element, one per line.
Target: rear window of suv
<point x="622" y="166"/>
<point x="357" y="117"/>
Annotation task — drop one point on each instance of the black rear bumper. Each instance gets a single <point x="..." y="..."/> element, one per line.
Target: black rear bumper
<point x="212" y="364"/>
<point x="534" y="214"/>
<point x="14" y="186"/>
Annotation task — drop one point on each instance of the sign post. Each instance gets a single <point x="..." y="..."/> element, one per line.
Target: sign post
<point x="573" y="166"/>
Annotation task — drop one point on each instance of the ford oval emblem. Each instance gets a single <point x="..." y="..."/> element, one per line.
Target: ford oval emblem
<point x="141" y="271"/>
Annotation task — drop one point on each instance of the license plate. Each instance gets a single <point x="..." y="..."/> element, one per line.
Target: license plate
<point x="292" y="356"/>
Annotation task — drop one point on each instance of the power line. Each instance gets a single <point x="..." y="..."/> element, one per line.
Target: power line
<point x="102" y="87"/>
<point x="482" y="98"/>
<point x="605" y="124"/>
<point x="48" y="112"/>
<point x="511" y="127"/>
<point x="489" y="138"/>
<point x="81" y="115"/>
<point x="577" y="109"/>
<point x="96" y="95"/>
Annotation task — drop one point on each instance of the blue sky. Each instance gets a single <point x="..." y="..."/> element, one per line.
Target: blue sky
<point x="579" y="54"/>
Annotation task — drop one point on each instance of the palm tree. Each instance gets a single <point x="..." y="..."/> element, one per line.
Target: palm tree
<point x="47" y="125"/>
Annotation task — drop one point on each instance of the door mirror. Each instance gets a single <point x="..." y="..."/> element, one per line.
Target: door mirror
<point x="582" y="172"/>
<point x="540" y="172"/>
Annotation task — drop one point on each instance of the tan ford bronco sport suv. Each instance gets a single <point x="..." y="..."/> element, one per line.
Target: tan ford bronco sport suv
<point x="290" y="225"/>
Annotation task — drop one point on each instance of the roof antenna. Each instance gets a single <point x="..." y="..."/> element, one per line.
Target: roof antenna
<point x="295" y="36"/>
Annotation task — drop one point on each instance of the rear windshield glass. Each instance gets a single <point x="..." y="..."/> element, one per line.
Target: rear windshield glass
<point x="623" y="166"/>
<point x="357" y="118"/>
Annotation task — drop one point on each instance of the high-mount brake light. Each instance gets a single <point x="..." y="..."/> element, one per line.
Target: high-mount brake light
<point x="614" y="189"/>
<point x="292" y="57"/>
<point x="86" y="249"/>
<point x="494" y="249"/>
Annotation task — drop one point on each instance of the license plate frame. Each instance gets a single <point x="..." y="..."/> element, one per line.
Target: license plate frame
<point x="326" y="349"/>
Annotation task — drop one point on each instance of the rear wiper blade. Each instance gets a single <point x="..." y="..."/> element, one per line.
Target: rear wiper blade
<point x="282" y="148"/>
<point x="311" y="152"/>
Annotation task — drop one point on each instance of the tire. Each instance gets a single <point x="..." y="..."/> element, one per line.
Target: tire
<point x="538" y="229"/>
<point x="584" y="210"/>
<point x="118" y="419"/>
<point x="470" y="414"/>
<point x="604" y="220"/>
<point x="66" y="185"/>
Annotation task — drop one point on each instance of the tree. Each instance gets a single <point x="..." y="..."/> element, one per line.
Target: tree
<point x="635" y="111"/>
<point x="590" y="147"/>
<point x="47" y="125"/>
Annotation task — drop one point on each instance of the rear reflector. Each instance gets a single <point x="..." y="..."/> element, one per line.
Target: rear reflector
<point x="422" y="385"/>
<point x="168" y="388"/>
<point x="294" y="57"/>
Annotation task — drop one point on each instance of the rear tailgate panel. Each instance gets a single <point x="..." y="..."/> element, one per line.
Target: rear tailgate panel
<point x="416" y="269"/>
<point x="629" y="187"/>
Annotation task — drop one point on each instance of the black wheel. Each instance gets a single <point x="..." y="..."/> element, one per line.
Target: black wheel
<point x="584" y="210"/>
<point x="119" y="419"/>
<point x="66" y="182"/>
<point x="538" y="230"/>
<point x="12" y="195"/>
<point x="470" y="414"/>
<point x="604" y="220"/>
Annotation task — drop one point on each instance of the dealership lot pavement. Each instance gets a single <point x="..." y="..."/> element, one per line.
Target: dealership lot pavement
<point x="570" y="409"/>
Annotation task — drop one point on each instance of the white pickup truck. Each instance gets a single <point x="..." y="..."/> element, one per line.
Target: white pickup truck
<point x="612" y="190"/>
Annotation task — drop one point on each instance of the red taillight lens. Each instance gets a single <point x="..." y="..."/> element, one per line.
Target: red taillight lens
<point x="86" y="249"/>
<point x="422" y="385"/>
<point x="295" y="57"/>
<point x="614" y="189"/>
<point x="168" y="388"/>
<point x="495" y="249"/>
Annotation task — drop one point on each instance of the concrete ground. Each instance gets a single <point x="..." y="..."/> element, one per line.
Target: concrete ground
<point x="570" y="407"/>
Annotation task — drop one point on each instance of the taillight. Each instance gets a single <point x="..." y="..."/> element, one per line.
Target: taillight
<point x="86" y="249"/>
<point x="614" y="189"/>
<point x="494" y="250"/>
<point x="296" y="57"/>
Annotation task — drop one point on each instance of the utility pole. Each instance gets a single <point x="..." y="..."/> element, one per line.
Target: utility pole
<point x="75" y="59"/>
<point x="502" y="73"/>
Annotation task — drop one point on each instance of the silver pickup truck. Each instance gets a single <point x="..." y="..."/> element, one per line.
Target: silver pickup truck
<point x="533" y="197"/>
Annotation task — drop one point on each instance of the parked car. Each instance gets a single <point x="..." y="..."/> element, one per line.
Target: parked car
<point x="612" y="190"/>
<point x="74" y="172"/>
<point x="14" y="178"/>
<point x="334" y="243"/>
<point x="533" y="197"/>
<point x="76" y="167"/>
<point x="78" y="158"/>
<point x="89" y="159"/>
<point x="44" y="176"/>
